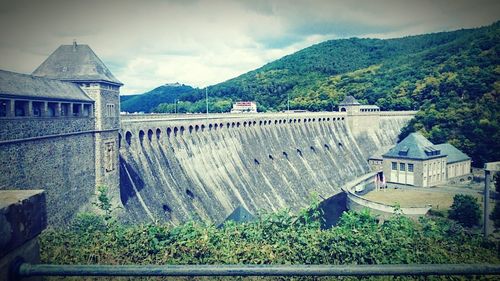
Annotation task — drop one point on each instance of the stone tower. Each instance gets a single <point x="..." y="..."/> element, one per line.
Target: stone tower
<point x="80" y="65"/>
<point x="360" y="118"/>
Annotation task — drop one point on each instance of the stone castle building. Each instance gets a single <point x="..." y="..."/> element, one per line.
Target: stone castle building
<point x="69" y="106"/>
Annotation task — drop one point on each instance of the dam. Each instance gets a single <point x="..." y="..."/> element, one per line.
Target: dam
<point x="62" y="131"/>
<point x="195" y="167"/>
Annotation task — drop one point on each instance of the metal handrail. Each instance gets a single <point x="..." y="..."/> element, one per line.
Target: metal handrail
<point x="27" y="270"/>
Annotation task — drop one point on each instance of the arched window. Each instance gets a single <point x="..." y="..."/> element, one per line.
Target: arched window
<point x="150" y="134"/>
<point x="182" y="130"/>
<point x="342" y="109"/>
<point x="176" y="130"/>
<point x="158" y="134"/>
<point x="128" y="138"/>
<point x="196" y="128"/>
<point x="190" y="129"/>
<point x="190" y="194"/>
<point x="169" y="131"/>
<point x="141" y="136"/>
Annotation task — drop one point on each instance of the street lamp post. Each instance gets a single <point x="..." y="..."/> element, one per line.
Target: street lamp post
<point x="206" y="98"/>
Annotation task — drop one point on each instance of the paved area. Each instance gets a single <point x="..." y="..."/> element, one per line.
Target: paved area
<point x="438" y="198"/>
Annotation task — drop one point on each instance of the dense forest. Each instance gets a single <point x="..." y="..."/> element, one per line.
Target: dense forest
<point x="452" y="78"/>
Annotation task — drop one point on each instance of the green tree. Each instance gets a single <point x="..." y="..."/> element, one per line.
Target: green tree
<point x="495" y="215"/>
<point x="465" y="210"/>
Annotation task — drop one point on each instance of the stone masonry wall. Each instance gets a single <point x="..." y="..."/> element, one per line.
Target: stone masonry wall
<point x="62" y="166"/>
<point x="25" y="127"/>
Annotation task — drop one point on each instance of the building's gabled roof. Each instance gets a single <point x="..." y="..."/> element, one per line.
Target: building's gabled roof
<point x="454" y="155"/>
<point x="414" y="146"/>
<point x="75" y="63"/>
<point x="349" y="100"/>
<point x="17" y="85"/>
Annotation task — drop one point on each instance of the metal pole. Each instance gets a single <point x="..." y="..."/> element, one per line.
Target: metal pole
<point x="487" y="178"/>
<point x="206" y="97"/>
<point x="27" y="270"/>
<point x="288" y="101"/>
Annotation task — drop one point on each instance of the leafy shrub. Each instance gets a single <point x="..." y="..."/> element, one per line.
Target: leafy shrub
<point x="274" y="238"/>
<point x="465" y="210"/>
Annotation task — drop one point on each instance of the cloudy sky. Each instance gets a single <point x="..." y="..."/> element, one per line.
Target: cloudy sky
<point x="149" y="43"/>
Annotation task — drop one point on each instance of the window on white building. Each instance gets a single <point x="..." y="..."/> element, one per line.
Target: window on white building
<point x="402" y="166"/>
<point x="394" y="166"/>
<point x="410" y="168"/>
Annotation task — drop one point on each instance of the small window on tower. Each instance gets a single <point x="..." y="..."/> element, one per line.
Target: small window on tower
<point x="109" y="156"/>
<point x="394" y="166"/>
<point x="110" y="110"/>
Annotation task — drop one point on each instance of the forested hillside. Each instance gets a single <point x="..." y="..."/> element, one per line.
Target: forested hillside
<point x="451" y="77"/>
<point x="146" y="102"/>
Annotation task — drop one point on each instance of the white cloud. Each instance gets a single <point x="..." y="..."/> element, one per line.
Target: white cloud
<point x="149" y="43"/>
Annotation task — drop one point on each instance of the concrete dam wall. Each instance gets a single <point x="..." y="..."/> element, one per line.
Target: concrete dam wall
<point x="176" y="170"/>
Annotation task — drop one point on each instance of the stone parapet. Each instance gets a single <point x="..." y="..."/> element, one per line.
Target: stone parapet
<point x="23" y="128"/>
<point x="358" y="203"/>
<point x="22" y="219"/>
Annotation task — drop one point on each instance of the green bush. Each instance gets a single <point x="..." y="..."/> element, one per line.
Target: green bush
<point x="465" y="210"/>
<point x="274" y="238"/>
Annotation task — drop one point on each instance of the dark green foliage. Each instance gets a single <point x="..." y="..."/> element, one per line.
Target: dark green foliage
<point x="277" y="238"/>
<point x="163" y="94"/>
<point x="495" y="215"/>
<point x="465" y="210"/>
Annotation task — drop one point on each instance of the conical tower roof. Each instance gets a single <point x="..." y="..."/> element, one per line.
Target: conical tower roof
<point x="75" y="63"/>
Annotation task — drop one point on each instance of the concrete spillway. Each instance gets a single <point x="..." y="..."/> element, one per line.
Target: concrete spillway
<point x="199" y="173"/>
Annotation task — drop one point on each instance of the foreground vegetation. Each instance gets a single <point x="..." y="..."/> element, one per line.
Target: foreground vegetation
<point x="277" y="238"/>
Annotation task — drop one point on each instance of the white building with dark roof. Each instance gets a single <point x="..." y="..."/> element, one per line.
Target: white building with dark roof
<point x="418" y="162"/>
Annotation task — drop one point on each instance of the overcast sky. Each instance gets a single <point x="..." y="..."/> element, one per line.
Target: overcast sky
<point x="149" y="43"/>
